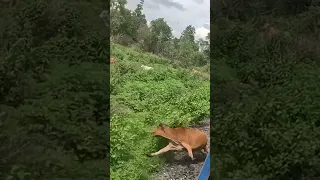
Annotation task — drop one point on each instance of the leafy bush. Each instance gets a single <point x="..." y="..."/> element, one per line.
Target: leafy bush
<point x="53" y="79"/>
<point x="266" y="101"/>
<point x="140" y="100"/>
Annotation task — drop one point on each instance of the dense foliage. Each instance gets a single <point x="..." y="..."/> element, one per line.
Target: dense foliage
<point x="53" y="90"/>
<point x="265" y="90"/>
<point x="140" y="100"/>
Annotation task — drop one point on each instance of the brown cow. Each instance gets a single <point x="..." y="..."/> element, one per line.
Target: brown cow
<point x="112" y="60"/>
<point x="270" y="31"/>
<point x="181" y="138"/>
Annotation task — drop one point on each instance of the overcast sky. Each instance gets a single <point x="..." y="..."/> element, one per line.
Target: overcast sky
<point x="178" y="14"/>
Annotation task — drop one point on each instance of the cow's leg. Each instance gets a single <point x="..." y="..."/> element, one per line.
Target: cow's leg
<point x="189" y="149"/>
<point x="205" y="150"/>
<point x="163" y="150"/>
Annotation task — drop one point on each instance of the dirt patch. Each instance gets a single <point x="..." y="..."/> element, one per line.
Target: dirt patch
<point x="178" y="165"/>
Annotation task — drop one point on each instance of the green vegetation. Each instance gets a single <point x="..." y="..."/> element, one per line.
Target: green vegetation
<point x="53" y="91"/>
<point x="140" y="100"/>
<point x="54" y="100"/>
<point x="265" y="90"/>
<point x="130" y="28"/>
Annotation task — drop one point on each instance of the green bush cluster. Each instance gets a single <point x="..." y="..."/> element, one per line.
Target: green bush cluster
<point x="265" y="95"/>
<point x="53" y="92"/>
<point x="140" y="100"/>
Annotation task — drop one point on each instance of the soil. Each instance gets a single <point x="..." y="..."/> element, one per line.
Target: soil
<point x="179" y="166"/>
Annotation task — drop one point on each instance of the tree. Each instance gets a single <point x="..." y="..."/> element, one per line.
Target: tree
<point x="187" y="39"/>
<point x="188" y="34"/>
<point x="161" y="33"/>
<point x="204" y="45"/>
<point x="123" y="21"/>
<point x="141" y="18"/>
<point x="143" y="31"/>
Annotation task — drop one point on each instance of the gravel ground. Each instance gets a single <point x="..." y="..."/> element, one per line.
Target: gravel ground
<point x="178" y="165"/>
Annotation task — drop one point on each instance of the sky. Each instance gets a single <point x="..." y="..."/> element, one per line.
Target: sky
<point x="178" y="14"/>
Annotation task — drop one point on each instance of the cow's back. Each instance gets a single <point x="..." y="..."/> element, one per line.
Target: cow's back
<point x="194" y="137"/>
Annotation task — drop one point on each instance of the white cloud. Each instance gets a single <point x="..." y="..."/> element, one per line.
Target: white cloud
<point x="207" y="26"/>
<point x="176" y="34"/>
<point x="201" y="32"/>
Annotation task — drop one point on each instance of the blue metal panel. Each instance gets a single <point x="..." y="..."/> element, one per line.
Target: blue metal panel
<point x="205" y="171"/>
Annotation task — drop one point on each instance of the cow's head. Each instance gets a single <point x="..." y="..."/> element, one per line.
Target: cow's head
<point x="160" y="130"/>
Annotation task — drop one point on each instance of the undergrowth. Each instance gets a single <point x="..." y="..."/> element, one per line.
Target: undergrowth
<point x="140" y="100"/>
